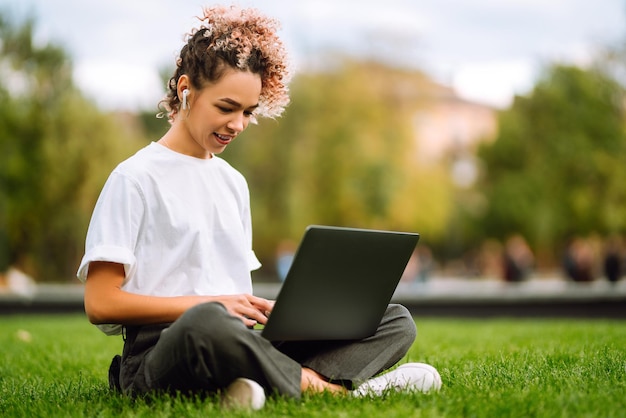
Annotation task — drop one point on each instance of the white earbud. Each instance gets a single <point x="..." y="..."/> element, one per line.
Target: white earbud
<point x="185" y="93"/>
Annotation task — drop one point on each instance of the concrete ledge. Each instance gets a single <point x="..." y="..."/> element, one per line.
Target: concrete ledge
<point x="539" y="298"/>
<point x="439" y="297"/>
<point x="44" y="299"/>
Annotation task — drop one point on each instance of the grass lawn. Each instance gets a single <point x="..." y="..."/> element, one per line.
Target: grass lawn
<point x="55" y="366"/>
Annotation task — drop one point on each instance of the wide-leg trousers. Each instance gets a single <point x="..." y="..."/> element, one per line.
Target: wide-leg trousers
<point x="207" y="348"/>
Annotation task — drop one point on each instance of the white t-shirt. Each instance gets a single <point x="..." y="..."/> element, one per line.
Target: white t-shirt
<point x="180" y="226"/>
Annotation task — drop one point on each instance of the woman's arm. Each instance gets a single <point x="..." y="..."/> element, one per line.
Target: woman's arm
<point x="107" y="303"/>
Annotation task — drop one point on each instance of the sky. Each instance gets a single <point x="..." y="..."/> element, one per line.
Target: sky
<point x="487" y="50"/>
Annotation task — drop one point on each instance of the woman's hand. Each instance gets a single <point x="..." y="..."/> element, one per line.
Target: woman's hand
<point x="249" y="308"/>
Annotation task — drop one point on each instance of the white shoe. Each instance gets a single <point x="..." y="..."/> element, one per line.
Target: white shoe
<point x="243" y="394"/>
<point x="409" y="377"/>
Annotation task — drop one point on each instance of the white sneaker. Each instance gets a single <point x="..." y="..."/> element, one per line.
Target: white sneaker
<point x="408" y="377"/>
<point x="243" y="394"/>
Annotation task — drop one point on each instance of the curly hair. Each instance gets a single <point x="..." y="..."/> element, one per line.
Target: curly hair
<point x="230" y="37"/>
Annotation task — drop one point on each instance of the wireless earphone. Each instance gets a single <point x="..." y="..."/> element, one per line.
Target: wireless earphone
<point x="185" y="93"/>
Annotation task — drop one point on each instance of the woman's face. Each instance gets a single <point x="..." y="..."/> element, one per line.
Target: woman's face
<point x="221" y="111"/>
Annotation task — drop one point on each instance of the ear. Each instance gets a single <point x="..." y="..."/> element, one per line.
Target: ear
<point x="183" y="83"/>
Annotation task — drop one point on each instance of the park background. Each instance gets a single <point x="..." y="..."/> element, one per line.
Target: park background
<point x="375" y="137"/>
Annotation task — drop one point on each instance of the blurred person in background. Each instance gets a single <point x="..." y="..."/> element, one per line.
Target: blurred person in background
<point x="613" y="259"/>
<point x="518" y="259"/>
<point x="579" y="260"/>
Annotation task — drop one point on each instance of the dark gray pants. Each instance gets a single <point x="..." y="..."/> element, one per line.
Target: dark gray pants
<point x="207" y="348"/>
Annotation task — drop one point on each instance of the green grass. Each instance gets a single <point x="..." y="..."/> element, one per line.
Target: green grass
<point x="490" y="368"/>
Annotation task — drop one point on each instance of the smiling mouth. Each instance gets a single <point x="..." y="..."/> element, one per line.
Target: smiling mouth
<point x="224" y="139"/>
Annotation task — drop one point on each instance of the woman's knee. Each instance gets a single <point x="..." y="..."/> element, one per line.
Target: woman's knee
<point x="206" y="321"/>
<point x="403" y="322"/>
<point x="202" y="313"/>
<point x="189" y="348"/>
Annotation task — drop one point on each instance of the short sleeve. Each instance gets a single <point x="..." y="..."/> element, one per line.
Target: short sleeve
<point x="114" y="225"/>
<point x="253" y="261"/>
<point x="246" y="218"/>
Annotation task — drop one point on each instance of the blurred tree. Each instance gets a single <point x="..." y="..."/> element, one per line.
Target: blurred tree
<point x="56" y="150"/>
<point x="154" y="121"/>
<point x="344" y="153"/>
<point x="557" y="167"/>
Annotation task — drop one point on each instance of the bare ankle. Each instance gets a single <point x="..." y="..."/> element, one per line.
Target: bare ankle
<point x="312" y="381"/>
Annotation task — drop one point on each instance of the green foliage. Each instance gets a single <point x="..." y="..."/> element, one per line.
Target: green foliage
<point x="557" y="167"/>
<point x="344" y="154"/>
<point x="154" y="122"/>
<point x="55" y="366"/>
<point x="153" y="127"/>
<point x="56" y="150"/>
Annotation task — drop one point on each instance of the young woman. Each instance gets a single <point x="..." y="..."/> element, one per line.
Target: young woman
<point x="169" y="248"/>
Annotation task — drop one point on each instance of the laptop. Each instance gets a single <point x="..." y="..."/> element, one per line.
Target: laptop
<point x="339" y="284"/>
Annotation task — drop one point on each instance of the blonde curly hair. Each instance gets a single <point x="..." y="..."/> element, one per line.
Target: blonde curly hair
<point x="231" y="37"/>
